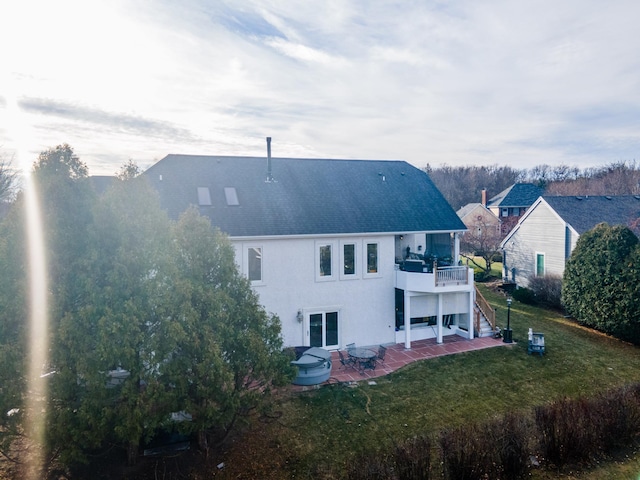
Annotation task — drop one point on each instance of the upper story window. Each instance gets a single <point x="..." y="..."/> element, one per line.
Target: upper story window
<point x="325" y="260"/>
<point x="505" y="212"/>
<point x="372" y="258"/>
<point x="254" y="264"/>
<point x="349" y="259"/>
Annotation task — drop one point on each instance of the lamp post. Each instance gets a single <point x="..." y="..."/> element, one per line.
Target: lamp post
<point x="508" y="334"/>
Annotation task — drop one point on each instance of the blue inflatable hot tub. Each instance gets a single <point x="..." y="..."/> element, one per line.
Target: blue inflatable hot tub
<point x="314" y="367"/>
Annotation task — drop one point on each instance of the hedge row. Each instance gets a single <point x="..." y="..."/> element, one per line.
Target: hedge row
<point x="567" y="432"/>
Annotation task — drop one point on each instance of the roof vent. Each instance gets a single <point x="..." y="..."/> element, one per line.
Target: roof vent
<point x="269" y="172"/>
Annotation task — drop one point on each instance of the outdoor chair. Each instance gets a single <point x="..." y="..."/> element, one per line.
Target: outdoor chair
<point x="350" y="346"/>
<point x="382" y="351"/>
<point x="346" y="362"/>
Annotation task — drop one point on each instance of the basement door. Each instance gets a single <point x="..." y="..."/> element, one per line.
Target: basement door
<point x="323" y="330"/>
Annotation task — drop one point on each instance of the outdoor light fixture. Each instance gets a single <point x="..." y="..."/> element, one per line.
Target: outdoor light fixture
<point x="300" y="316"/>
<point x="508" y="334"/>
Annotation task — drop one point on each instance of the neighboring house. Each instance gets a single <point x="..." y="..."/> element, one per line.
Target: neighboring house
<point x="325" y="243"/>
<point x="510" y="204"/>
<point x="478" y="216"/>
<point x="542" y="241"/>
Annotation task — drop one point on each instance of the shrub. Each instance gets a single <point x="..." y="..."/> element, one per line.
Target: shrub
<point x="464" y="455"/>
<point x="412" y="459"/>
<point x="511" y="433"/>
<point x="525" y="295"/>
<point x="370" y="466"/>
<point x="566" y="431"/>
<point x="481" y="276"/>
<point x="496" y="449"/>
<point x="601" y="284"/>
<point x="547" y="290"/>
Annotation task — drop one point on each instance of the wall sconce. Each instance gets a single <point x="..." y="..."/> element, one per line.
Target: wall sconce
<point x="419" y="248"/>
<point x="300" y="316"/>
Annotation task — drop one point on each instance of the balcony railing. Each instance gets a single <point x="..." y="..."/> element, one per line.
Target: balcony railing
<point x="451" y="275"/>
<point x="441" y="278"/>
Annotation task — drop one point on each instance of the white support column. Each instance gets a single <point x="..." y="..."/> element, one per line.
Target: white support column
<point x="472" y="302"/>
<point x="456" y="248"/>
<point x="407" y="321"/>
<point x="439" y="317"/>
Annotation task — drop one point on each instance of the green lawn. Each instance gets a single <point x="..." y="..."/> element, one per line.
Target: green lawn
<point x="318" y="432"/>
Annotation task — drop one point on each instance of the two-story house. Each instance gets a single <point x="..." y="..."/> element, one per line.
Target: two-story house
<point x="342" y="251"/>
<point x="544" y="238"/>
<point x="510" y="204"/>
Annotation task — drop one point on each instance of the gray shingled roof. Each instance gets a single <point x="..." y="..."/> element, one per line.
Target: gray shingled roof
<point x="307" y="196"/>
<point x="469" y="207"/>
<point x="584" y="213"/>
<point x="517" y="195"/>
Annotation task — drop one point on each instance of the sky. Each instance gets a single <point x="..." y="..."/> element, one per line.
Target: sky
<point x="466" y="82"/>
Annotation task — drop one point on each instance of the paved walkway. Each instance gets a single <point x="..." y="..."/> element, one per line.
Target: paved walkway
<point x="397" y="356"/>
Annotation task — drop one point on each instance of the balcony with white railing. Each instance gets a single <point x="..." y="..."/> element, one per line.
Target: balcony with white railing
<point x="435" y="280"/>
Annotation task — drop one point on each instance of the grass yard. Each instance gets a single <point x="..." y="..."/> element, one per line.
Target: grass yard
<point x="315" y="434"/>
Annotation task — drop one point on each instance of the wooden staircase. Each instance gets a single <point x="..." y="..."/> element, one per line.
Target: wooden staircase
<point x="484" y="317"/>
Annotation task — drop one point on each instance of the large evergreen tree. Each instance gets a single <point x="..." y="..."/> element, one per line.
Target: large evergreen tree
<point x="13" y="325"/>
<point x="117" y="325"/>
<point x="600" y="283"/>
<point x="229" y="350"/>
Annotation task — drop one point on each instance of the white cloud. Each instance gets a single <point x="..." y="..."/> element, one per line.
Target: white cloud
<point x="466" y="82"/>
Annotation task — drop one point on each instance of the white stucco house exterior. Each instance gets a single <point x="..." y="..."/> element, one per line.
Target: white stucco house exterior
<point x="343" y="251"/>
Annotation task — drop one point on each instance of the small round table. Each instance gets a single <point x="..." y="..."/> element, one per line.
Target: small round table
<point x="364" y="358"/>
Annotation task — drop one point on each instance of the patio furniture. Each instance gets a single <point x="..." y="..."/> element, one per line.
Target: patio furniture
<point x="364" y="358"/>
<point x="346" y="362"/>
<point x="536" y="343"/>
<point x="382" y="351"/>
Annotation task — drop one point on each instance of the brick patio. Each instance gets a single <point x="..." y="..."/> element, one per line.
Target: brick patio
<point x="397" y="356"/>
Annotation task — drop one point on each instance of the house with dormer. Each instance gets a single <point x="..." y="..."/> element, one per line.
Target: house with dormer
<point x="343" y="251"/>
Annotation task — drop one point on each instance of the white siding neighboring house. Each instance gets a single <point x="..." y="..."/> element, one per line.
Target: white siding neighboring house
<point x="325" y="243"/>
<point x="544" y="238"/>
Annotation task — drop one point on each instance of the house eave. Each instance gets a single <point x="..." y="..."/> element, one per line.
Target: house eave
<point x="241" y="238"/>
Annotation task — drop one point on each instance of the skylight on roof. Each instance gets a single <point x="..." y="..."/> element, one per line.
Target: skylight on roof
<point x="204" y="196"/>
<point x="231" y="196"/>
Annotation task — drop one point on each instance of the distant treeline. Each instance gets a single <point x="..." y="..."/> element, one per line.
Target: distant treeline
<point x="463" y="185"/>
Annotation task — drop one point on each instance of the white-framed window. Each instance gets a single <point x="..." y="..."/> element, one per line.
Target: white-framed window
<point x="254" y="264"/>
<point x="325" y="269"/>
<point x="371" y="261"/>
<point x="348" y="260"/>
<point x="505" y="212"/>
<point x="540" y="264"/>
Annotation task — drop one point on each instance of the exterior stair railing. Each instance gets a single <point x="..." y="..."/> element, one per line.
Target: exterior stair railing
<point x="484" y="309"/>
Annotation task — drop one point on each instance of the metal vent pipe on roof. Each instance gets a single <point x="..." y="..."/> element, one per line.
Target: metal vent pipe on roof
<point x="269" y="173"/>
